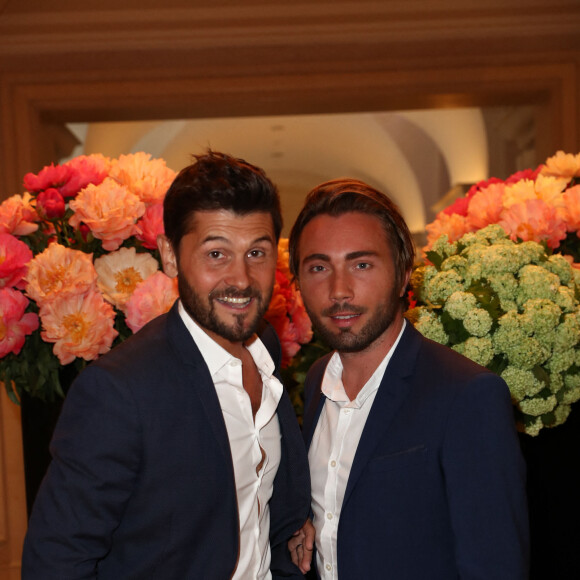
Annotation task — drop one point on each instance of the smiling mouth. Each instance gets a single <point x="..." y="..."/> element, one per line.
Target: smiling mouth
<point x="344" y="316"/>
<point x="235" y="302"/>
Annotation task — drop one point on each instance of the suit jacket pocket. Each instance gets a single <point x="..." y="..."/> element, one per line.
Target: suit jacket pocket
<point x="397" y="460"/>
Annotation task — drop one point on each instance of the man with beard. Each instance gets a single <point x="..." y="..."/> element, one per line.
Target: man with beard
<point x="415" y="465"/>
<point x="178" y="454"/>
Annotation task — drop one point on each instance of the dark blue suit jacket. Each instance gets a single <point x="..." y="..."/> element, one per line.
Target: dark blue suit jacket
<point x="437" y="486"/>
<point x="142" y="484"/>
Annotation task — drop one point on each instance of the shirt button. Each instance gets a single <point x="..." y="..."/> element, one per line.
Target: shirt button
<point x="346" y="411"/>
<point x="333" y="463"/>
<point x="329" y="516"/>
<point x="328" y="567"/>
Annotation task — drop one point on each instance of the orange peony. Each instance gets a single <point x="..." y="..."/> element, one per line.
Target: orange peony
<point x="147" y="178"/>
<point x="119" y="273"/>
<point x="79" y="326"/>
<point x="59" y="272"/>
<point x="15" y="323"/>
<point x="562" y="165"/>
<point x="151" y="298"/>
<point x="17" y="215"/>
<point x="109" y="210"/>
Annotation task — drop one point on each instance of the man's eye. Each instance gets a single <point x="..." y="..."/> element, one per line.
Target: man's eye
<point x="257" y="254"/>
<point x="317" y="268"/>
<point x="215" y="254"/>
<point x="363" y="266"/>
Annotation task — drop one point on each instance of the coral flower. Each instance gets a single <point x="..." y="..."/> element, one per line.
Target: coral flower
<point x="59" y="272"/>
<point x="50" y="204"/>
<point x="288" y="316"/>
<point x="110" y="211"/>
<point x="562" y="165"/>
<point x="18" y="216"/>
<point x="147" y="178"/>
<point x="534" y="220"/>
<point x="15" y="323"/>
<point x="79" y="326"/>
<point x="453" y="225"/>
<point x="14" y="257"/>
<point x="151" y="298"/>
<point x="151" y="225"/>
<point x="119" y="273"/>
<point x="571" y="211"/>
<point x="485" y="206"/>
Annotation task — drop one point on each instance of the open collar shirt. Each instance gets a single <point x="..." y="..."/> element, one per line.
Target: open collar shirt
<point x="250" y="439"/>
<point x="332" y="453"/>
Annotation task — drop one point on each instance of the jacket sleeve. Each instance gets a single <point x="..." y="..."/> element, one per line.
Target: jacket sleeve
<point x="485" y="481"/>
<point x="96" y="451"/>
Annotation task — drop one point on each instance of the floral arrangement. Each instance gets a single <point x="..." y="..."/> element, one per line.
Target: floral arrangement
<point x="500" y="285"/>
<point x="542" y="205"/>
<point x="80" y="271"/>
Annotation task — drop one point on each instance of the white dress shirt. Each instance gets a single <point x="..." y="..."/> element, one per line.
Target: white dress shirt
<point x="248" y="438"/>
<point x="332" y="452"/>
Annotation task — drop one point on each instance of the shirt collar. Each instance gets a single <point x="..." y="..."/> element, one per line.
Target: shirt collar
<point x="333" y="388"/>
<point x="216" y="357"/>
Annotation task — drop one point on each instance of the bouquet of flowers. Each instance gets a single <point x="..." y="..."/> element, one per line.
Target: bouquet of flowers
<point x="79" y="268"/>
<point x="512" y="307"/>
<point x="80" y="271"/>
<point x="542" y="205"/>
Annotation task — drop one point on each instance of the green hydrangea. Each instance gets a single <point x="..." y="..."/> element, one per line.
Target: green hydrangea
<point x="459" y="304"/>
<point x="521" y="382"/>
<point x="429" y="325"/>
<point x="512" y="307"/>
<point x="479" y="350"/>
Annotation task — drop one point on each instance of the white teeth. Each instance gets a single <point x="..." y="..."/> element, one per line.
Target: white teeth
<point x="235" y="300"/>
<point x="346" y="317"/>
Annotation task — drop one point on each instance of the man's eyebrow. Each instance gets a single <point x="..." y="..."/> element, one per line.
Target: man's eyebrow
<point x="211" y="238"/>
<point x="361" y="254"/>
<point x="313" y="257"/>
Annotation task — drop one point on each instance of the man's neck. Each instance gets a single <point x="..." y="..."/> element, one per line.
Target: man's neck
<point x="358" y="367"/>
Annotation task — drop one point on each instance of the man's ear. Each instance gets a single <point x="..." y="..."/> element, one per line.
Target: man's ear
<point x="405" y="282"/>
<point x="168" y="257"/>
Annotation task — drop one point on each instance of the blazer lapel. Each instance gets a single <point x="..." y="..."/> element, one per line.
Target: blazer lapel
<point x="198" y="377"/>
<point x="393" y="390"/>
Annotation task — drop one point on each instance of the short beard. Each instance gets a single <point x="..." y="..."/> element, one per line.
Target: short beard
<point x="206" y="316"/>
<point x="346" y="341"/>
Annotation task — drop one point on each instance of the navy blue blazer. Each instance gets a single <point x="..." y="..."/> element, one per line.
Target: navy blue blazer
<point x="141" y="484"/>
<point x="437" y="486"/>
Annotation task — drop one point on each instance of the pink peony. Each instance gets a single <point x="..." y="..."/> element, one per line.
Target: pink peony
<point x="534" y="220"/>
<point x="55" y="176"/>
<point x="151" y="298"/>
<point x="147" y="178"/>
<point x="50" y="204"/>
<point x="59" y="272"/>
<point x="18" y="216"/>
<point x="110" y="211"/>
<point x="15" y="323"/>
<point x="85" y="170"/>
<point x="14" y="258"/>
<point x="151" y="225"/>
<point x="79" y="326"/>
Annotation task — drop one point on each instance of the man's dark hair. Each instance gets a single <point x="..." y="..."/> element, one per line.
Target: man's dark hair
<point x="217" y="181"/>
<point x="340" y="196"/>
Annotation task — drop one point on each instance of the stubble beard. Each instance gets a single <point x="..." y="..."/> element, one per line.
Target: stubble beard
<point x="346" y="340"/>
<point x="205" y="315"/>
